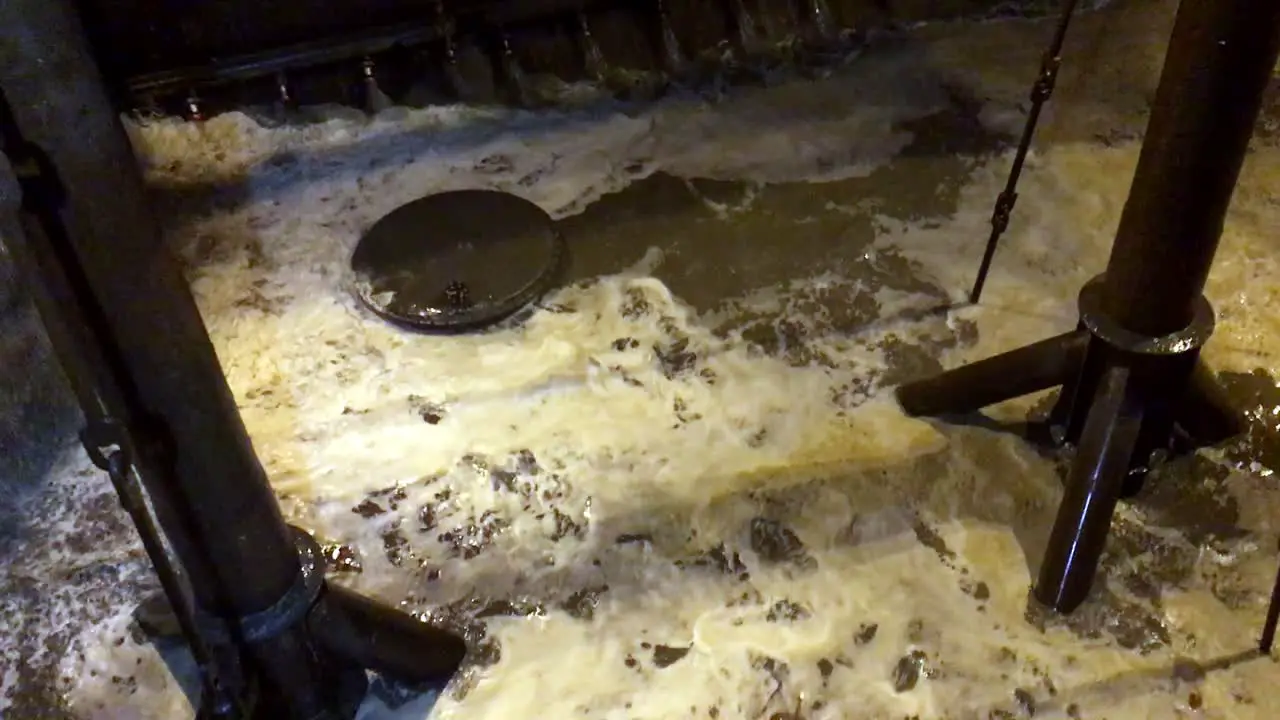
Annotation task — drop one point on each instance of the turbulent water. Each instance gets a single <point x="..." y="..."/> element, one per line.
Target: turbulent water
<point x="674" y="491"/>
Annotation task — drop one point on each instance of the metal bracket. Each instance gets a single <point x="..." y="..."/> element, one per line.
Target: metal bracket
<point x="101" y="439"/>
<point x="1003" y="210"/>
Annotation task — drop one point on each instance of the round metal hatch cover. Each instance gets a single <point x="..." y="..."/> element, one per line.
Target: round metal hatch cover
<point x="457" y="260"/>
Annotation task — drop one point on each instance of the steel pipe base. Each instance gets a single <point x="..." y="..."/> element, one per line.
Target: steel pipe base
<point x="1125" y="398"/>
<point x="326" y="630"/>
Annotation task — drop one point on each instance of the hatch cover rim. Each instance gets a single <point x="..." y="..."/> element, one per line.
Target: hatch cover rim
<point x="478" y="316"/>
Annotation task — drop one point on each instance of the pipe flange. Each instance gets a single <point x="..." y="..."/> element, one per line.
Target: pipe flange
<point x="292" y="608"/>
<point x="1103" y="327"/>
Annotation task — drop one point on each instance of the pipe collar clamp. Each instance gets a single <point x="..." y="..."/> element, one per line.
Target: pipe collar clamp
<point x="1101" y="325"/>
<point x="292" y="608"/>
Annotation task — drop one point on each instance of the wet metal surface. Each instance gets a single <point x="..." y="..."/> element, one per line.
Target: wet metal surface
<point x="457" y="261"/>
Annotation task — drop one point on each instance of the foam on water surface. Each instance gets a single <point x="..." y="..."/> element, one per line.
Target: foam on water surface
<point x="648" y="507"/>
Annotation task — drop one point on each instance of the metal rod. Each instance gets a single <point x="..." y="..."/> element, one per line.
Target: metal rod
<point x="1217" y="68"/>
<point x="1273" y="616"/>
<point x="1097" y="477"/>
<point x="1013" y="374"/>
<point x="1040" y="94"/>
<point x="219" y="692"/>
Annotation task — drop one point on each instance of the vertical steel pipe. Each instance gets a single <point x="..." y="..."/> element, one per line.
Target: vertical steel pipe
<point x="60" y="106"/>
<point x="1220" y="59"/>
